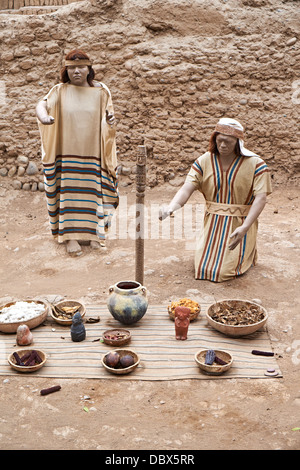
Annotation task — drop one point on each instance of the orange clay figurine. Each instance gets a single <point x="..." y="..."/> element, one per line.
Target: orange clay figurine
<point x="182" y="321"/>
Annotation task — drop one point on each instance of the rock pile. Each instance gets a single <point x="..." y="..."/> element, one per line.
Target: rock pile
<point x="24" y="174"/>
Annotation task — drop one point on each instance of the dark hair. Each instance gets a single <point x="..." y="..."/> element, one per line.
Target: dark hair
<point x="212" y="146"/>
<point x="77" y="54"/>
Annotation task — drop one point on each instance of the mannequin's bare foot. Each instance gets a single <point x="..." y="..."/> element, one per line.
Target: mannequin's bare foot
<point x="73" y="248"/>
<point x="97" y="246"/>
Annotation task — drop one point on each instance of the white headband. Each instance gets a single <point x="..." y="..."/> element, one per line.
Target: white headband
<point x="72" y="63"/>
<point x="232" y="127"/>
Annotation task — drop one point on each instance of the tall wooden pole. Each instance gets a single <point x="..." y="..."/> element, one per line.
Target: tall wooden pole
<point x="140" y="215"/>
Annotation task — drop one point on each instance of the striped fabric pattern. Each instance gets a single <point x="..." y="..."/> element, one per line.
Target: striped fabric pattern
<point x="81" y="197"/>
<point x="260" y="169"/>
<point x="246" y="177"/>
<point x="196" y="166"/>
<point x="153" y="339"/>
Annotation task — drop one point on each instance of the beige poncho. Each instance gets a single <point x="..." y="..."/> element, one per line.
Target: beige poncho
<point x="79" y="162"/>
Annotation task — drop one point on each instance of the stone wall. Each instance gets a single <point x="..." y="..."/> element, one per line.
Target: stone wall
<point x="32" y="5"/>
<point x="173" y="68"/>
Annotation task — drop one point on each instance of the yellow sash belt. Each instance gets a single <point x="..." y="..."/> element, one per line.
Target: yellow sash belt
<point x="232" y="210"/>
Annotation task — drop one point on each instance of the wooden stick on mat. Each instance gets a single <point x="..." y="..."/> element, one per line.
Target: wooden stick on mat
<point x="140" y="195"/>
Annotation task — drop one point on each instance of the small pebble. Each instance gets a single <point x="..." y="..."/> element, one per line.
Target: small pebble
<point x="3" y="171"/>
<point x="291" y="41"/>
<point x="17" y="184"/>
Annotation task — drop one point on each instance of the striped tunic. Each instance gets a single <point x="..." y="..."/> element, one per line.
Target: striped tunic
<point x="244" y="179"/>
<point x="79" y="162"/>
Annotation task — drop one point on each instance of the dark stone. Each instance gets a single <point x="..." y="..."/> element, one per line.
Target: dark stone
<point x="77" y="328"/>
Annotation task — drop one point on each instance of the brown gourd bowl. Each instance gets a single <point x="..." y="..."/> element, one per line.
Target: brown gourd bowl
<point x="32" y="323"/>
<point x="235" y="330"/>
<point x="125" y="370"/>
<point x="26" y="369"/>
<point x="117" y="341"/>
<point x="214" y="369"/>
<point x="66" y="303"/>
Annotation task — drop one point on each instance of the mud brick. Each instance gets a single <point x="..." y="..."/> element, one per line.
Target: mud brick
<point x="3" y="4"/>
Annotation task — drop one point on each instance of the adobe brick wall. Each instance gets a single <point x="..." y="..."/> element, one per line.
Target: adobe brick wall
<point x="19" y="4"/>
<point x="173" y="67"/>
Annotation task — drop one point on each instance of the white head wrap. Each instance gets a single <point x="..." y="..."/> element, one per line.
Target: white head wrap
<point x="232" y="127"/>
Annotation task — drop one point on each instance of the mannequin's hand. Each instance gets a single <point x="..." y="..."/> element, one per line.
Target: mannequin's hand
<point x="110" y="118"/>
<point x="164" y="212"/>
<point x="236" y="238"/>
<point x="47" y="120"/>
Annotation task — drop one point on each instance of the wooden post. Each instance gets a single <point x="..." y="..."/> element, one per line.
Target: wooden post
<point x="139" y="214"/>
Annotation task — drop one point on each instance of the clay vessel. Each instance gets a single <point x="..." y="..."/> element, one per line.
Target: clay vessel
<point x="127" y="301"/>
<point x="182" y="321"/>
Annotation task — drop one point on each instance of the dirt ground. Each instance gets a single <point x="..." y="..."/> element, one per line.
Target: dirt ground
<point x="177" y="415"/>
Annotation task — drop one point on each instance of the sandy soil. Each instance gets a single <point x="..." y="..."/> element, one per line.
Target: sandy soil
<point x="184" y="414"/>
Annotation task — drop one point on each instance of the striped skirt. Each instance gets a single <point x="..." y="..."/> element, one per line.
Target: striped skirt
<point x="213" y="259"/>
<point x="81" y="198"/>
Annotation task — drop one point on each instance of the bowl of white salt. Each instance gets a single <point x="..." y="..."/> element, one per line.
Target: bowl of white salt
<point x="26" y="312"/>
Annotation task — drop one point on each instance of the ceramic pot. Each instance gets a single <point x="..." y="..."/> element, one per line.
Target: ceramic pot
<point x="127" y="301"/>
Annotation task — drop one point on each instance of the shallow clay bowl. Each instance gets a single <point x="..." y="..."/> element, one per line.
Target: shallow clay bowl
<point x="125" y="370"/>
<point x="26" y="369"/>
<point x="235" y="330"/>
<point x="214" y="369"/>
<point x="124" y="338"/>
<point x="32" y="323"/>
<point x="66" y="303"/>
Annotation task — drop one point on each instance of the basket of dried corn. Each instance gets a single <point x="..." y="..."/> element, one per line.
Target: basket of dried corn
<point x="194" y="307"/>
